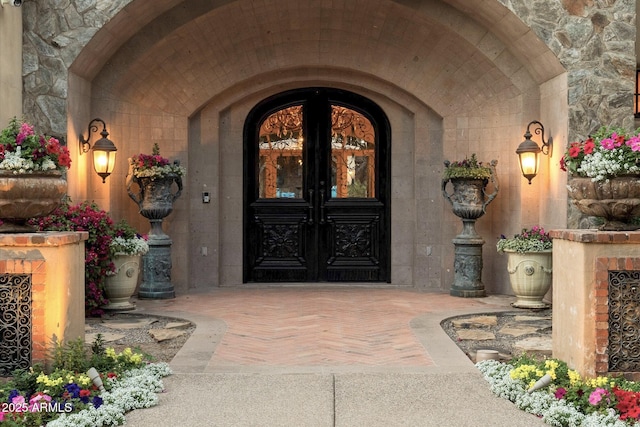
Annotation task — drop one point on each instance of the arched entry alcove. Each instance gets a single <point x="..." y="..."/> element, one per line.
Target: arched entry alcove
<point x="187" y="75"/>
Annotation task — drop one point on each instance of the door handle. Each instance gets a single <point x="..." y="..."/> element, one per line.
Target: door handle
<point x="311" y="200"/>
<point x="321" y="221"/>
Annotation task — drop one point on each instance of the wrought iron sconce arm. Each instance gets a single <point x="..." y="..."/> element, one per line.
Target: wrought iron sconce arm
<point x="547" y="146"/>
<point x="85" y="146"/>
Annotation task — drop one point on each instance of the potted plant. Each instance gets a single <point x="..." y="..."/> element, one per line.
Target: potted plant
<point x="126" y="248"/>
<point x="469" y="178"/>
<point x="31" y="168"/>
<point x="155" y="176"/>
<point x="529" y="265"/>
<point x="605" y="176"/>
<point x="469" y="200"/>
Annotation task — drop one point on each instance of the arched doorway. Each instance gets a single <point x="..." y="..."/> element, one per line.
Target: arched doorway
<point x="316" y="189"/>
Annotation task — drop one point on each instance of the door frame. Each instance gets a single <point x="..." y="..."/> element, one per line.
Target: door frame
<point x="340" y="97"/>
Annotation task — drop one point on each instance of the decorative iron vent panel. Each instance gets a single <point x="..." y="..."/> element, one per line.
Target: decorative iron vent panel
<point x="624" y="312"/>
<point x="15" y="322"/>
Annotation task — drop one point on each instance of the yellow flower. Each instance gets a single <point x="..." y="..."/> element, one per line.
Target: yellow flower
<point x="83" y="380"/>
<point x="110" y="352"/>
<point x="597" y="382"/>
<point x="574" y="377"/>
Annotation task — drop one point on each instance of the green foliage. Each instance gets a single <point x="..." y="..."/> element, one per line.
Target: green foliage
<point x="467" y="168"/>
<point x="69" y="356"/>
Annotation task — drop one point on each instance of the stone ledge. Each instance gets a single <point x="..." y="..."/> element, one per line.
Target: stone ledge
<point x="596" y="236"/>
<point x="47" y="238"/>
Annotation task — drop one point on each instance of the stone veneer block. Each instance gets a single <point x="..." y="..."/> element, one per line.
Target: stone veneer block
<point x="581" y="262"/>
<point x="55" y="261"/>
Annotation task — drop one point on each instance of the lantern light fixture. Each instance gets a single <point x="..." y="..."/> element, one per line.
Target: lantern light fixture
<point x="104" y="150"/>
<point x="529" y="152"/>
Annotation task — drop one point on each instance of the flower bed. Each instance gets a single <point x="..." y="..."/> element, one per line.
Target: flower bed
<point x="68" y="397"/>
<point x="569" y="400"/>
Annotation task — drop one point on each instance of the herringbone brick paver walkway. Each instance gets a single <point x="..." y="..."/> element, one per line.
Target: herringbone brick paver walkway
<point x="317" y="327"/>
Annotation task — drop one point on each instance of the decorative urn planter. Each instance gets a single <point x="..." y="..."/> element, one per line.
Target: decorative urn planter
<point x="469" y="201"/>
<point x="155" y="200"/>
<point x="24" y="196"/>
<point x="617" y="200"/>
<point x="530" y="277"/>
<point x="120" y="286"/>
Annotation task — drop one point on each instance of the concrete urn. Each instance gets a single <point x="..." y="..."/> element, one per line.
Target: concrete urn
<point x="120" y="286"/>
<point x="530" y="277"/>
<point x="617" y="200"/>
<point x="24" y="196"/>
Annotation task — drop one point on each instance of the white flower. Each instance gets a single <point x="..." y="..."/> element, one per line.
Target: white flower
<point x="13" y="162"/>
<point x="555" y="412"/>
<point x="123" y="246"/>
<point x="136" y="388"/>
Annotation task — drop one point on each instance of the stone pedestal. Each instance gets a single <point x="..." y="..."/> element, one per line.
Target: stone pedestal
<point x="467" y="262"/>
<point x="595" y="281"/>
<point x="41" y="294"/>
<point x="156" y="266"/>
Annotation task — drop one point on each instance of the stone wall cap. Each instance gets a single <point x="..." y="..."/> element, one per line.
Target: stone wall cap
<point x="45" y="238"/>
<point x="596" y="236"/>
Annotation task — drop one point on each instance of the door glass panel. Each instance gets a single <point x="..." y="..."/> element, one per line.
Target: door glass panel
<point x="352" y="154"/>
<point x="281" y="158"/>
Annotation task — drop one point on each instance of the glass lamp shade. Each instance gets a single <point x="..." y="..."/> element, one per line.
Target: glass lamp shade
<point x="529" y="158"/>
<point x="104" y="157"/>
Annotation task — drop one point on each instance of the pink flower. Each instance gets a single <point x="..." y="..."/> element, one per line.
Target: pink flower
<point x="608" y="143"/>
<point x="634" y="143"/>
<point x="19" y="402"/>
<point x="596" y="395"/>
<point x="560" y="392"/>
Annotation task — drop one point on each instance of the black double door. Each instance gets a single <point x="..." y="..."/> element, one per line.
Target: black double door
<point x="316" y="189"/>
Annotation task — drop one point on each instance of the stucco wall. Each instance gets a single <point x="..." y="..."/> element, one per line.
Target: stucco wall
<point x="10" y="64"/>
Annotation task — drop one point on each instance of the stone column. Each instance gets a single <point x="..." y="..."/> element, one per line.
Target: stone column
<point x="596" y="278"/>
<point x="42" y="291"/>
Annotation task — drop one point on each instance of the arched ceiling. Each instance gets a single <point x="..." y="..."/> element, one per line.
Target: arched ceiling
<point x="175" y="56"/>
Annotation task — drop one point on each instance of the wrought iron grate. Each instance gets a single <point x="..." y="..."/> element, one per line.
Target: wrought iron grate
<point x="624" y="324"/>
<point x="15" y="322"/>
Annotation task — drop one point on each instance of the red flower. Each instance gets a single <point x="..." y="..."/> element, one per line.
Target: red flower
<point x="574" y="150"/>
<point x="589" y="145"/>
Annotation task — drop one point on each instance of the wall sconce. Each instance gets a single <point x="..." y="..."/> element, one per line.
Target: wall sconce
<point x="529" y="152"/>
<point x="104" y="151"/>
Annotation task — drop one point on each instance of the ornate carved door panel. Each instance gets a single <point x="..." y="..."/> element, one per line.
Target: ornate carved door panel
<point x="316" y="193"/>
